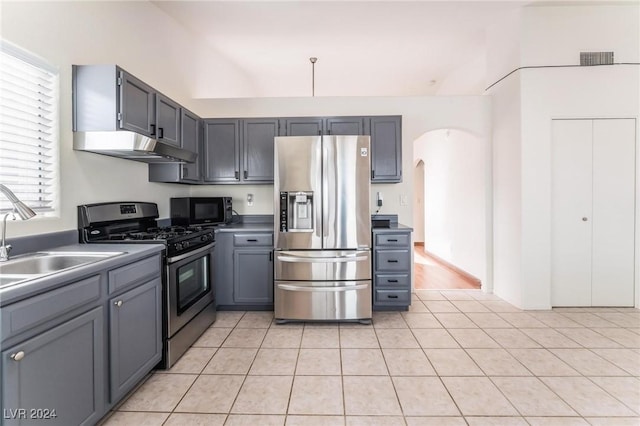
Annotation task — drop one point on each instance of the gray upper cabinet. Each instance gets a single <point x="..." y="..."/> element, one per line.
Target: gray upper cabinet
<point x="386" y="149"/>
<point x="239" y="150"/>
<point x="167" y="120"/>
<point x="137" y="105"/>
<point x="257" y="153"/>
<point x="59" y="372"/>
<point x="221" y="150"/>
<point x="303" y="126"/>
<point x="191" y="131"/>
<point x="345" y="126"/>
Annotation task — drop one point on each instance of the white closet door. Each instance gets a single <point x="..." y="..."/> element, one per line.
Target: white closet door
<point x="613" y="212"/>
<point x="571" y="186"/>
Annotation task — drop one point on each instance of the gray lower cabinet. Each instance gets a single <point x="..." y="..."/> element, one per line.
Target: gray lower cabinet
<point x="391" y="269"/>
<point x="135" y="339"/>
<point x="56" y="377"/>
<point x="244" y="270"/>
<point x="73" y="352"/>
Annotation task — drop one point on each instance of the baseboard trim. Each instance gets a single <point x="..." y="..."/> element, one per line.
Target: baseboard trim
<point x="454" y="268"/>
<point x="418" y="243"/>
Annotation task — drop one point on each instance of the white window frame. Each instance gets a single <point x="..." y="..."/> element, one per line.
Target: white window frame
<point x="46" y="204"/>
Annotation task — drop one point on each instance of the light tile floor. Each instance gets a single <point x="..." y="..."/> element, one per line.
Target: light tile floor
<point x="457" y="357"/>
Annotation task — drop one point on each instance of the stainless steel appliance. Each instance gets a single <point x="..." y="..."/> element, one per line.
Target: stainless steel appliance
<point x="201" y="210"/>
<point x="322" y="229"/>
<point x="188" y="289"/>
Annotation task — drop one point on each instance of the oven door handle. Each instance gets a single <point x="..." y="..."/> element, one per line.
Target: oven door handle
<point x="175" y="259"/>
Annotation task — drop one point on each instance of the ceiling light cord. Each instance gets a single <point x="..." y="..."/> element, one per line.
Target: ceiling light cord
<point x="313" y="75"/>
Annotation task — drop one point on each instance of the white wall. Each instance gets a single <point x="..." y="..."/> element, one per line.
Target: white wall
<point x="524" y="105"/>
<point x="454" y="198"/>
<point x="419" y="115"/>
<point x="135" y="35"/>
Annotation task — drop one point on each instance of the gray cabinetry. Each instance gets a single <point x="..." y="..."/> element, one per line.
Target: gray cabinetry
<point x="136" y="109"/>
<point x="391" y="269"/>
<point x="190" y="139"/>
<point x="239" y="150"/>
<point x="71" y="353"/>
<point x="57" y="376"/>
<point x="135" y="339"/>
<point x="221" y="150"/>
<point x="386" y="149"/>
<point x="244" y="270"/>
<point x="314" y="126"/>
<point x="167" y="120"/>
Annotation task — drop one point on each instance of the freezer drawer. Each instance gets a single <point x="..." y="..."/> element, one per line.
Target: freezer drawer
<point x="322" y="265"/>
<point x="327" y="300"/>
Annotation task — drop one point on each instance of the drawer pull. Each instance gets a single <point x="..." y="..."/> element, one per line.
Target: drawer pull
<point x="392" y="296"/>
<point x="252" y="240"/>
<point x="392" y="281"/>
<point x="394" y="240"/>
<point x="17" y="356"/>
<point x="118" y="303"/>
<point x="392" y="260"/>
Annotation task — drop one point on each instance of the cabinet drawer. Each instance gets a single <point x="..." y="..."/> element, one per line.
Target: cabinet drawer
<point x="400" y="297"/>
<point x="37" y="310"/>
<point x="399" y="280"/>
<point x="393" y="260"/>
<point x="135" y="272"/>
<point x="393" y="240"/>
<point x="253" y="239"/>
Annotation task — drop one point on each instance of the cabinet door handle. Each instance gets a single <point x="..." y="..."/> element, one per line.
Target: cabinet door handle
<point x="153" y="130"/>
<point x="373" y="173"/>
<point x="392" y="260"/>
<point x="185" y="171"/>
<point x="118" y="303"/>
<point x="392" y="296"/>
<point x="237" y="175"/>
<point x="17" y="356"/>
<point x="160" y="133"/>
<point x="246" y="174"/>
<point x="270" y="256"/>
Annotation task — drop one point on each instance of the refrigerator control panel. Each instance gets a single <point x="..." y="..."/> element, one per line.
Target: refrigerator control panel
<point x="296" y="211"/>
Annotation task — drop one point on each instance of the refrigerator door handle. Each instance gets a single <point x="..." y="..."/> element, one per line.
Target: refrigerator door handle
<point x="327" y="289"/>
<point x="335" y="259"/>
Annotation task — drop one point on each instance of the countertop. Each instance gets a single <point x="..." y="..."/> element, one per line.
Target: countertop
<point x="246" y="227"/>
<point x="394" y="227"/>
<point x="132" y="252"/>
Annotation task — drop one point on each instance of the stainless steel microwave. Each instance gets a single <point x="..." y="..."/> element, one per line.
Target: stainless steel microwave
<point x="200" y="210"/>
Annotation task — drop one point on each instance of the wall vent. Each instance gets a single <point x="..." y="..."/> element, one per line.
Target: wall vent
<point x="596" y="58"/>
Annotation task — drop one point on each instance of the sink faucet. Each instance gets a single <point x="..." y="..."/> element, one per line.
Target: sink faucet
<point x="18" y="207"/>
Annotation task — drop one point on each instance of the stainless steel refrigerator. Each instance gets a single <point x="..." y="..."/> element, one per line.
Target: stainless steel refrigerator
<point x="322" y="228"/>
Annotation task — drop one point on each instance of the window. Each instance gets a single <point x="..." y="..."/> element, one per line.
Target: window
<point x="28" y="129"/>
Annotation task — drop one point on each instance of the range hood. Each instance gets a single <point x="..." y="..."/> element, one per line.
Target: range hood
<point x="132" y="146"/>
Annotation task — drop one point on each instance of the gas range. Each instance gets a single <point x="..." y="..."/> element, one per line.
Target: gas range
<point x="188" y="305"/>
<point x="136" y="222"/>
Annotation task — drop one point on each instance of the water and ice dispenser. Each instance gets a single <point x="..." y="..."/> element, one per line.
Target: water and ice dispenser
<point x="296" y="211"/>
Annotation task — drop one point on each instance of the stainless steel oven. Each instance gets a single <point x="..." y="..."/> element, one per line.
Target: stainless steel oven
<point x="187" y="278"/>
<point x="190" y="285"/>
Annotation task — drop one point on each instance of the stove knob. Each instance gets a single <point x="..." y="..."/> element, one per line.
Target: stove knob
<point x="204" y="238"/>
<point x="186" y="244"/>
<point x="178" y="246"/>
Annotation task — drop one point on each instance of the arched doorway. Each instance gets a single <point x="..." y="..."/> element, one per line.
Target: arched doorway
<point x="449" y="210"/>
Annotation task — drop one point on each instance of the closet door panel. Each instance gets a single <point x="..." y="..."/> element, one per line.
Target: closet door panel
<point x="571" y="186"/>
<point x="613" y="212"/>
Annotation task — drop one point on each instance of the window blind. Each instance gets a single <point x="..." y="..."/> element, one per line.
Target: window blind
<point x="28" y="128"/>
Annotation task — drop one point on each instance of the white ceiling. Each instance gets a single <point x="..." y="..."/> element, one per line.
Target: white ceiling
<point x="364" y="48"/>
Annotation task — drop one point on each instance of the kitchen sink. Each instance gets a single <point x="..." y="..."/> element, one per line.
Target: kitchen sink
<point x="35" y="265"/>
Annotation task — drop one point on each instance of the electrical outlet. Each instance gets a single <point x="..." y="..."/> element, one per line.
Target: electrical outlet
<point x="404" y="200"/>
<point x="250" y="200"/>
<point x="379" y="199"/>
